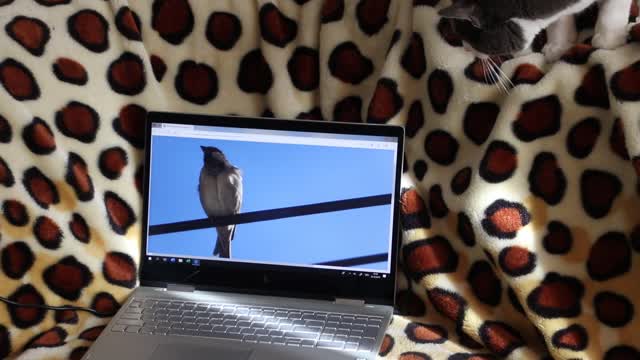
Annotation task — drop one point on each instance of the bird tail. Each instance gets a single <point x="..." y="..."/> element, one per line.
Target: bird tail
<point x="223" y="243"/>
<point x="216" y="250"/>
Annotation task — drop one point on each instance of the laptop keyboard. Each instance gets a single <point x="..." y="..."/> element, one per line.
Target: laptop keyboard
<point x="251" y="324"/>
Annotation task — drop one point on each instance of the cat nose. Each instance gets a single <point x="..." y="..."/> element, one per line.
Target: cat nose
<point x="466" y="46"/>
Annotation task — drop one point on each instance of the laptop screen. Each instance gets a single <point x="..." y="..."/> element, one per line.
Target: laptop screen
<point x="280" y="198"/>
<point x="302" y="208"/>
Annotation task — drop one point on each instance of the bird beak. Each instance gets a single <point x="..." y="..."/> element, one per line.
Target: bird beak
<point x="204" y="150"/>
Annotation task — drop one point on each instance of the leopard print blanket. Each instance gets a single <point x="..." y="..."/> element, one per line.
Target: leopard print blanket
<point x="520" y="209"/>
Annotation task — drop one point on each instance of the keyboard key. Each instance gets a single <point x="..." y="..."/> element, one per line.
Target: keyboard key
<point x="230" y="323"/>
<point x="243" y="324"/>
<point x="182" y="332"/>
<point x="366" y="345"/>
<point x="306" y="329"/>
<point x="281" y="314"/>
<point x="276" y="333"/>
<point x="130" y="322"/>
<point x="234" y="330"/>
<point x="326" y="337"/>
<point x="257" y="325"/>
<point x="189" y="319"/>
<point x="133" y="329"/>
<point x="278" y="341"/>
<point x="333" y="317"/>
<point x="261" y="332"/>
<point x="202" y="321"/>
<point x="295" y="316"/>
<point x="147" y="330"/>
<point x="136" y="304"/>
<point x="329" y="330"/>
<point x="370" y="332"/>
<point x="134" y="316"/>
<point x="293" y="342"/>
<point x="300" y="335"/>
<point x="308" y="343"/>
<point x="342" y="332"/>
<point x="190" y="326"/>
<point x="135" y="310"/>
<point x="247" y="331"/>
<point x="205" y="328"/>
<point x="351" y="346"/>
<point x="264" y="339"/>
<point x="314" y="323"/>
<point x="286" y="327"/>
<point x="228" y="336"/>
<point x="250" y="338"/>
<point x="118" y="328"/>
<point x="219" y="328"/>
<point x="329" y="345"/>
<point x="340" y="338"/>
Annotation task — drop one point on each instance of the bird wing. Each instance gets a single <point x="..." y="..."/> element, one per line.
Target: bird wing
<point x="230" y="191"/>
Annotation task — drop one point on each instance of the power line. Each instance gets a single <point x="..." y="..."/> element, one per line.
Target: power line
<point x="273" y="214"/>
<point x="362" y="260"/>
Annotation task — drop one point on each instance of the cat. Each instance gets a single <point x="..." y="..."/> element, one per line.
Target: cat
<point x="508" y="27"/>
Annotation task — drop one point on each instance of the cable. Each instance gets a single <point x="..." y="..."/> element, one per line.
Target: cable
<point x="56" y="308"/>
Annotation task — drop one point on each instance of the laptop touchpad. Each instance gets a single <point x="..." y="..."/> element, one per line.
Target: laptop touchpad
<point x="198" y="352"/>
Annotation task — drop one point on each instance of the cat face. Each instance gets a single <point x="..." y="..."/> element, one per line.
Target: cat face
<point x="486" y="28"/>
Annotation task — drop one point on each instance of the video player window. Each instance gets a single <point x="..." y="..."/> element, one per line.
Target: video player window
<point x="286" y="200"/>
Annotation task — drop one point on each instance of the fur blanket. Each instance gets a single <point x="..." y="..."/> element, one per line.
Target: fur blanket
<point x="520" y="209"/>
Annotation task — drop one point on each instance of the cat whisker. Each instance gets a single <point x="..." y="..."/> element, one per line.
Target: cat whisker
<point x="484" y="71"/>
<point x="504" y="76"/>
<point x="495" y="78"/>
<point x="499" y="76"/>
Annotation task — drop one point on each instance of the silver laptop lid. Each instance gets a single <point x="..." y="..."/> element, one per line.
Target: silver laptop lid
<point x="311" y="207"/>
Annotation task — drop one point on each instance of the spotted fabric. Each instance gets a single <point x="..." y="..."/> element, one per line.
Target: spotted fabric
<point x="520" y="210"/>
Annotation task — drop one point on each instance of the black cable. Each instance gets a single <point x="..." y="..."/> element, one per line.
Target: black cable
<point x="56" y="308"/>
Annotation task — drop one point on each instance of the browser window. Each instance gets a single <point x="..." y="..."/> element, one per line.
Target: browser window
<point x="309" y="199"/>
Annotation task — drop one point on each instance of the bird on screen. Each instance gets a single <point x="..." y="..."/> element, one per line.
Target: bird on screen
<point x="220" y="190"/>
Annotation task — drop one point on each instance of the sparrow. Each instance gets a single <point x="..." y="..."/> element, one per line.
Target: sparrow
<point x="220" y="190"/>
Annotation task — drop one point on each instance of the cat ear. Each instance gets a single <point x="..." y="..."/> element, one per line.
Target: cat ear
<point x="462" y="10"/>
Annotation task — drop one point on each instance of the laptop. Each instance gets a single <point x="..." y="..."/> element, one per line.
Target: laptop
<point x="262" y="239"/>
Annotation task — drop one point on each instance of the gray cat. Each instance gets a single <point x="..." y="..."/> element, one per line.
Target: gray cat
<point x="508" y="27"/>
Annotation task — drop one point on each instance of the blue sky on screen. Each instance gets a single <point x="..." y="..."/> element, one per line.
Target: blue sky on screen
<point x="274" y="176"/>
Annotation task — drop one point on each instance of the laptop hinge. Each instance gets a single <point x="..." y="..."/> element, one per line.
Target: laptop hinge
<point x="180" y="287"/>
<point x="345" y="301"/>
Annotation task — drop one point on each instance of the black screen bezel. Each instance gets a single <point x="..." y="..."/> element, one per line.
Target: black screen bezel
<point x="270" y="279"/>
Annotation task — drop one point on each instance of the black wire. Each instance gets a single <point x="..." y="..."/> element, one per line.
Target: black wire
<point x="56" y="308"/>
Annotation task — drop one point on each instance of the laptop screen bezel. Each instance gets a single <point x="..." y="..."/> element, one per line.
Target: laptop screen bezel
<point x="269" y="279"/>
